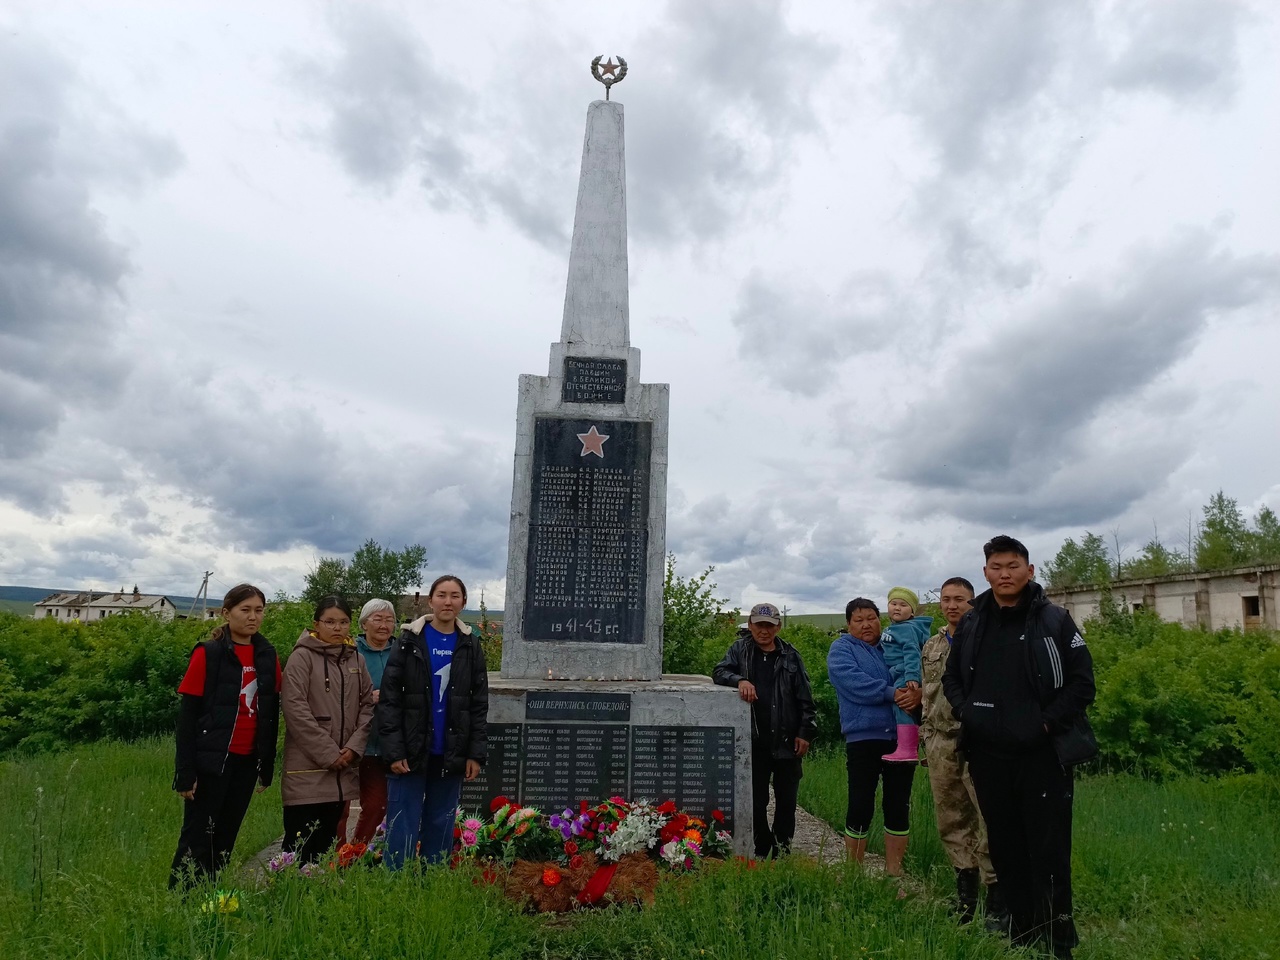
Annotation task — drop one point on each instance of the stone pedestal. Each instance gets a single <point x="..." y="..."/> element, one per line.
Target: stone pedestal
<point x="553" y="744"/>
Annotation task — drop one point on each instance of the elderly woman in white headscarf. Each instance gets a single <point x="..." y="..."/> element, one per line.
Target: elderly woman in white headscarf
<point x="377" y="626"/>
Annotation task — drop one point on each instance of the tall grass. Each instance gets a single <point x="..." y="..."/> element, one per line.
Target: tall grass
<point x="84" y="861"/>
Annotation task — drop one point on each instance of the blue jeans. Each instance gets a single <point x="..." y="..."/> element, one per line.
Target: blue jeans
<point x="420" y="810"/>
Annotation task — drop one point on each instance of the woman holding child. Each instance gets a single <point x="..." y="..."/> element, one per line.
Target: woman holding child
<point x="867" y="696"/>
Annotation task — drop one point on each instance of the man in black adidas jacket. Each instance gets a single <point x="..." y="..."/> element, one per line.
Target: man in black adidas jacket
<point x="1019" y="673"/>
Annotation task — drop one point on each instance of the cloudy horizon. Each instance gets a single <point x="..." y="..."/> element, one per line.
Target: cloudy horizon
<point x="917" y="273"/>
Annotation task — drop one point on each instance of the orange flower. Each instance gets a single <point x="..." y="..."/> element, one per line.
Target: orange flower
<point x="693" y="835"/>
<point x="550" y="877"/>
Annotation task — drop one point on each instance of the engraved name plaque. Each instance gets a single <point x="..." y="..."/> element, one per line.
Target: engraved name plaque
<point x="588" y="531"/>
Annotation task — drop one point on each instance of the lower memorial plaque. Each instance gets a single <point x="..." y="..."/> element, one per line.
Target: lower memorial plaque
<point x="500" y="777"/>
<point x="691" y="765"/>
<point x="557" y="765"/>
<point x="567" y="763"/>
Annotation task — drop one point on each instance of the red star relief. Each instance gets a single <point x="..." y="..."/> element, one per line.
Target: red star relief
<point x="593" y="442"/>
<point x="609" y="68"/>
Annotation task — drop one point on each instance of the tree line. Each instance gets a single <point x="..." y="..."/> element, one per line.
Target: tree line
<point x="1221" y="539"/>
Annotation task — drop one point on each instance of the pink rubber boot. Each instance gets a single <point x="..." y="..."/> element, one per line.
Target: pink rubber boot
<point x="908" y="745"/>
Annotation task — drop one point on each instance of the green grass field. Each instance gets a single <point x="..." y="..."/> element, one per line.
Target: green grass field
<point x="1180" y="869"/>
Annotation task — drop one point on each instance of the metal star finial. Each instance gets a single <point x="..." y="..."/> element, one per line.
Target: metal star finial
<point x="616" y="72"/>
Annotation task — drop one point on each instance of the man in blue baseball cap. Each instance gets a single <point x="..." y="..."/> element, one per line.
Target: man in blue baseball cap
<point x="770" y="676"/>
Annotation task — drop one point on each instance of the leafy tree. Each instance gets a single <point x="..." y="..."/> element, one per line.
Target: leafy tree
<point x="1155" y="560"/>
<point x="691" y="616"/>
<point x="1266" y="536"/>
<point x="1224" y="539"/>
<point x="372" y="572"/>
<point x="1084" y="562"/>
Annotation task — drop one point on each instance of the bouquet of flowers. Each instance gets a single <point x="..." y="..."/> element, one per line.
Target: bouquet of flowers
<point x="609" y="852"/>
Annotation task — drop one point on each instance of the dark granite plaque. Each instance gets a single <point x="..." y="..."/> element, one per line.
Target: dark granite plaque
<point x="500" y="777"/>
<point x="578" y="706"/>
<point x="567" y="763"/>
<point x="691" y="765"/>
<point x="588" y="531"/>
<point x="594" y="380"/>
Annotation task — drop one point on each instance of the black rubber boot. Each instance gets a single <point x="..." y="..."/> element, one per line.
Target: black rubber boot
<point x="966" y="893"/>
<point x="997" y="911"/>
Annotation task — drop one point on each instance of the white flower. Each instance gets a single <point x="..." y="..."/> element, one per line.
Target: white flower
<point x="672" y="853"/>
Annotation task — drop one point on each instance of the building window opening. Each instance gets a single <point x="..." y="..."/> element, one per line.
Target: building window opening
<point x="1252" y="608"/>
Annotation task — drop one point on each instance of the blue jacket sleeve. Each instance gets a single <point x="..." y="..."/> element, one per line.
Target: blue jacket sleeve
<point x="851" y="681"/>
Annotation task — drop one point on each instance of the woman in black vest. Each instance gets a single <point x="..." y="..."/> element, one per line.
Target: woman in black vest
<point x="227" y="725"/>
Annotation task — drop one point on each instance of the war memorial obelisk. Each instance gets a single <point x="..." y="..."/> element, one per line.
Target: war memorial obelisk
<point x="581" y="709"/>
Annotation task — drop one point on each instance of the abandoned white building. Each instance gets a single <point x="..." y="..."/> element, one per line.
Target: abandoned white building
<point x="94" y="605"/>
<point x="1243" y="598"/>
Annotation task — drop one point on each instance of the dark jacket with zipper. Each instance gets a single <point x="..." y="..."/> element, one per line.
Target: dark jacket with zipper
<point x="792" y="711"/>
<point x="205" y="724"/>
<point x="404" y="718"/>
<point x="328" y="707"/>
<point x="1058" y="671"/>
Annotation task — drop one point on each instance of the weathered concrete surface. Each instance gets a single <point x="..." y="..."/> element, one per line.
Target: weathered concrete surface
<point x="596" y="310"/>
<point x="529" y="657"/>
<point x="671" y="700"/>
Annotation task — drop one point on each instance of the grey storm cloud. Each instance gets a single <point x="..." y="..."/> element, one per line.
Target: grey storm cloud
<point x="809" y="333"/>
<point x="60" y="271"/>
<point x="982" y="76"/>
<point x="1021" y="409"/>
<point x="727" y="90"/>
<point x="274" y="479"/>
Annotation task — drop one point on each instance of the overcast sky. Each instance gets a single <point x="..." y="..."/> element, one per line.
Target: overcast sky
<point x="917" y="273"/>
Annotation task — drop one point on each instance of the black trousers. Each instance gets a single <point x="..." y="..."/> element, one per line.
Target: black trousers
<point x="211" y="820"/>
<point x="311" y="828"/>
<point x="786" y="776"/>
<point x="1026" y="802"/>
<point x="865" y="765"/>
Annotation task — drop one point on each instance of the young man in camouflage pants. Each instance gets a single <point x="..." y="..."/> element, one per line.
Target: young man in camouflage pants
<point x="960" y="825"/>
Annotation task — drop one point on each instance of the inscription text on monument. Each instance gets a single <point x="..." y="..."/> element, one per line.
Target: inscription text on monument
<point x="588" y="531"/>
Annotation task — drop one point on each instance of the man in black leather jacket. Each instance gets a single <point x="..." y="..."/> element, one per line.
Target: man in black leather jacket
<point x="770" y="676"/>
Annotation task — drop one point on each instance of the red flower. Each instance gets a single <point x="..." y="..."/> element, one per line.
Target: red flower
<point x="667" y="807"/>
<point x="349" y="853"/>
<point x="457" y="832"/>
<point x="575" y="862"/>
<point x="497" y="804"/>
<point x="570" y="848"/>
<point x="550" y="877"/>
<point x="588" y="834"/>
<point x="717" y="816"/>
<point x="582" y="806"/>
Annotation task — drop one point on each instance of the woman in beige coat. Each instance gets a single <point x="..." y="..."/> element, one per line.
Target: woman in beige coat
<point x="327" y="700"/>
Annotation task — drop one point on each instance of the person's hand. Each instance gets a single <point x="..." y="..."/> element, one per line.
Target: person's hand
<point x="473" y="769"/>
<point x="376" y="695"/>
<point x="189" y="794"/>
<point x="802" y="747"/>
<point x="747" y="691"/>
<point x="344" y="759"/>
<point x="400" y="767"/>
<point x="913" y="685"/>
<point x="907" y="698"/>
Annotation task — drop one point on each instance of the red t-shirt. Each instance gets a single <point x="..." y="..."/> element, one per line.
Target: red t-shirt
<point x="246" y="728"/>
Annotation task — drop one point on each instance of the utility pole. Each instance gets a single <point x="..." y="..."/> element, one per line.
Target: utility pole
<point x="203" y="596"/>
<point x="784" y="615"/>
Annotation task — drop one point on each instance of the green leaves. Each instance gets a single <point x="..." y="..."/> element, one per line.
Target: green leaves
<point x="373" y="571"/>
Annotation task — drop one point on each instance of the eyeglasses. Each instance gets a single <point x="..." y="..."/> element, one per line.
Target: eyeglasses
<point x="335" y="624"/>
<point x="381" y="620"/>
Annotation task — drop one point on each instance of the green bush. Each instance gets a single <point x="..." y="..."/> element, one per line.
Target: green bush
<point x="66" y="683"/>
<point x="1173" y="700"/>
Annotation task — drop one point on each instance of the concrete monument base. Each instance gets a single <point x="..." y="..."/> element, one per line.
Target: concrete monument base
<point x="554" y="744"/>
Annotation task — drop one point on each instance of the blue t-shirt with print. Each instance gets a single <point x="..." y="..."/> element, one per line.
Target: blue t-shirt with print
<point x="440" y="647"/>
